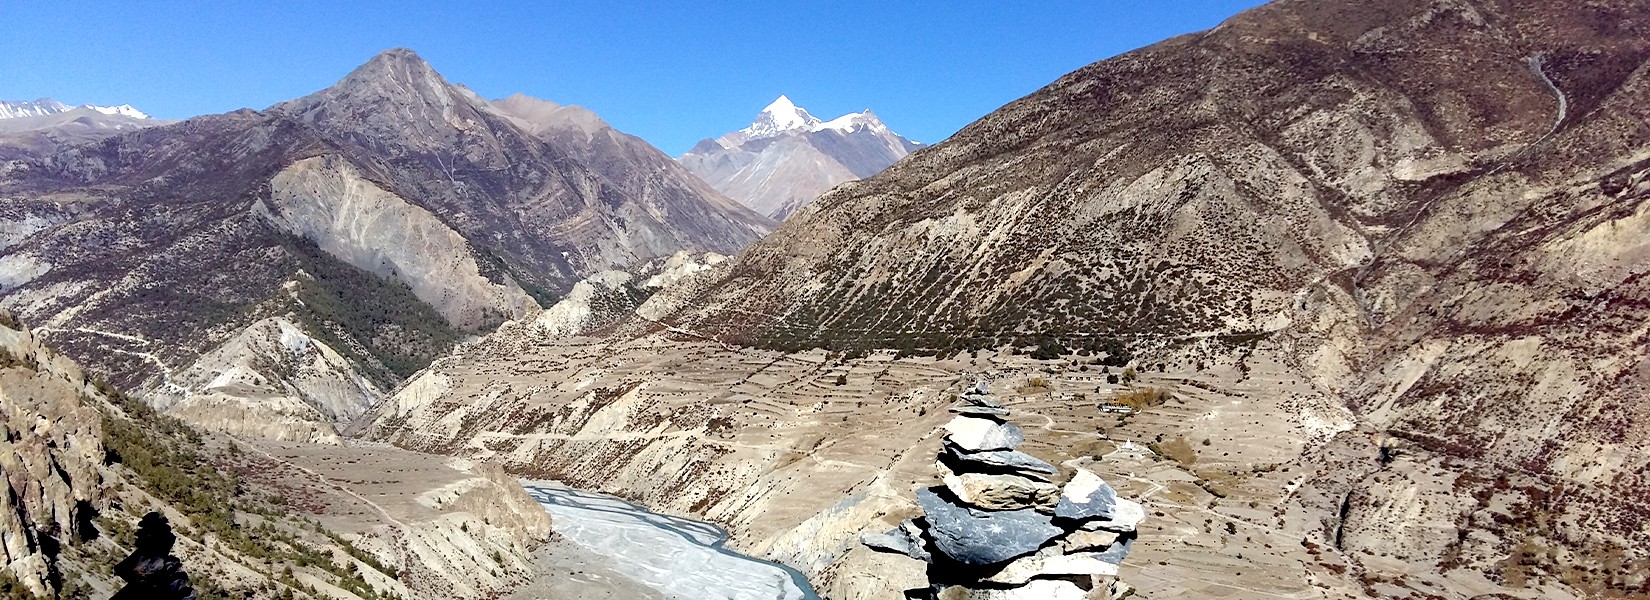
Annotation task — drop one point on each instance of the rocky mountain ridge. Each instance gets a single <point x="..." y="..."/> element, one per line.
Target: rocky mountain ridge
<point x="786" y="157"/>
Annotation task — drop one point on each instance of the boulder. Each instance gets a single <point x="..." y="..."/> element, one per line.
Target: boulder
<point x="982" y="537"/>
<point x="1000" y="492"/>
<point x="976" y="434"/>
<point x="983" y="401"/>
<point x="1086" y="496"/>
<point x="1023" y="569"/>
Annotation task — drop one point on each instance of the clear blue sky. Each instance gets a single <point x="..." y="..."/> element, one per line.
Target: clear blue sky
<point x="670" y="72"/>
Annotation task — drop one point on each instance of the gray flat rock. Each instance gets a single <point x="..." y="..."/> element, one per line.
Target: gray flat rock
<point x="897" y="541"/>
<point x="1125" y="518"/>
<point x="983" y="537"/>
<point x="1012" y="460"/>
<point x="976" y="434"/>
<point x="1117" y="552"/>
<point x="1086" y="497"/>
<point x="980" y="411"/>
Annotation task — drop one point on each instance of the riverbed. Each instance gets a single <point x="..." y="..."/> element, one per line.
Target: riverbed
<point x="680" y="558"/>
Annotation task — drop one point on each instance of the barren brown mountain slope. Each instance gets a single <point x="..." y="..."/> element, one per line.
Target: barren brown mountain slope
<point x="1406" y="236"/>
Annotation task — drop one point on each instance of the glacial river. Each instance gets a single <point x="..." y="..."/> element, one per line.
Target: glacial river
<point x="679" y="557"/>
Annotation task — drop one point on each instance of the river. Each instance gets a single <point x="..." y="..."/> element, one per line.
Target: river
<point x="681" y="558"/>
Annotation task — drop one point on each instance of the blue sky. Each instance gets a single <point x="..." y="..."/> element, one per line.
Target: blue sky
<point x="670" y="72"/>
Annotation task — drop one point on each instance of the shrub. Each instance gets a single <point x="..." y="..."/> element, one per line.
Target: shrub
<point x="1142" y="397"/>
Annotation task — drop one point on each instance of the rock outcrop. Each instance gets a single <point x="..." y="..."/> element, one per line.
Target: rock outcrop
<point x="1001" y="529"/>
<point x="52" y="478"/>
<point x="271" y="381"/>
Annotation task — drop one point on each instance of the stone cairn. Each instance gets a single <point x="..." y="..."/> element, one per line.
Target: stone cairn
<point x="1001" y="528"/>
<point x="151" y="572"/>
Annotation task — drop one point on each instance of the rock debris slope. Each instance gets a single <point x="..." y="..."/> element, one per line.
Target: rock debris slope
<point x="786" y="157"/>
<point x="1001" y="529"/>
<point x="382" y="218"/>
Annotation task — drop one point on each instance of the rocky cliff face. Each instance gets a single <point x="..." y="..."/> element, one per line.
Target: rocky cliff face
<point x="384" y="217"/>
<point x="270" y="381"/>
<point x="786" y="158"/>
<point x="52" y="461"/>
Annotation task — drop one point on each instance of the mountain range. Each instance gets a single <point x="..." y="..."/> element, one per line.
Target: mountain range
<point x="39" y="127"/>
<point x="337" y="242"/>
<point x="787" y="157"/>
<point x="46" y="106"/>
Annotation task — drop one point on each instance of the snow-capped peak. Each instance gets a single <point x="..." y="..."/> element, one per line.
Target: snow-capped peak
<point x="48" y="106"/>
<point x="852" y="122"/>
<point x="124" y="110"/>
<point x="780" y="116"/>
<point x="37" y="108"/>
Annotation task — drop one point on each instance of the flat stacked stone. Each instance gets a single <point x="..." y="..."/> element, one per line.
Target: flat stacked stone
<point x="1001" y="529"/>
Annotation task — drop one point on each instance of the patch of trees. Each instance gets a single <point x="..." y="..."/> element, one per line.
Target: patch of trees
<point x="391" y="333"/>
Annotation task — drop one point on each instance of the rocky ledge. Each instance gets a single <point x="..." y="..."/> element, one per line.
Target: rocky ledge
<point x="1003" y="527"/>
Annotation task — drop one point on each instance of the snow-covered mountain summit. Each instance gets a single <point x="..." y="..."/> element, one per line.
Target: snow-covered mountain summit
<point x="41" y="107"/>
<point x="779" y="117"/>
<point x="786" y="156"/>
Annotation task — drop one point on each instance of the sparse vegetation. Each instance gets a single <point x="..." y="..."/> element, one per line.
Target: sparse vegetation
<point x="377" y="323"/>
<point x="168" y="461"/>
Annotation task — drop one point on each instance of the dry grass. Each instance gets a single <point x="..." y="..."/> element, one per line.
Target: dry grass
<point x="1142" y="397"/>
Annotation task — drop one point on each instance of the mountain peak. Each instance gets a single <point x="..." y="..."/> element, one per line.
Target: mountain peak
<point x="852" y="122"/>
<point x="394" y="77"/>
<point x="396" y="63"/>
<point x="780" y="116"/>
